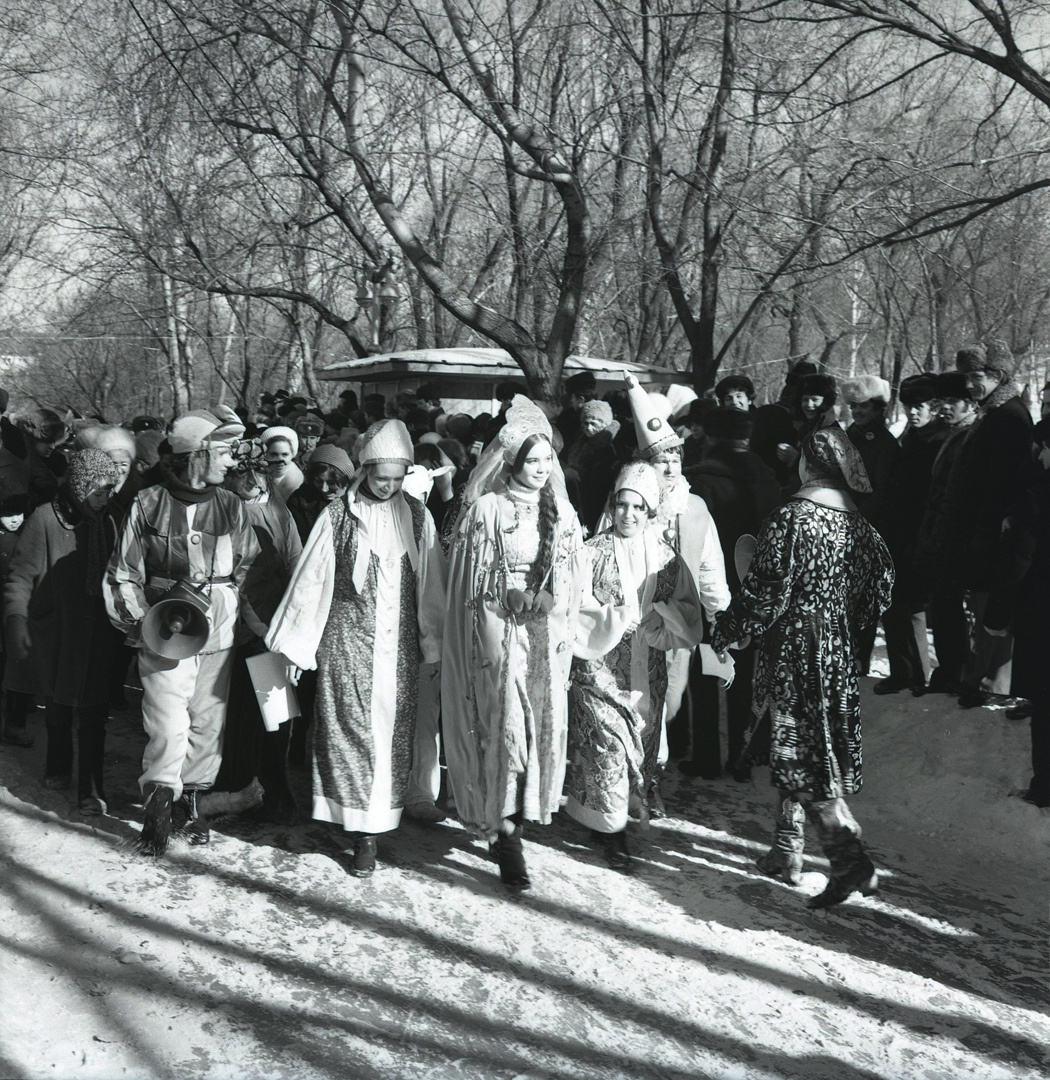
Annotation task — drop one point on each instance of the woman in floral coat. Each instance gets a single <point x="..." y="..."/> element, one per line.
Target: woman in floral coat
<point x="642" y="602"/>
<point x="820" y="574"/>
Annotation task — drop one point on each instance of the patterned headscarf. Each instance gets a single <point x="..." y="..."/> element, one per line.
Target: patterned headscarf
<point x="835" y="460"/>
<point x="88" y="470"/>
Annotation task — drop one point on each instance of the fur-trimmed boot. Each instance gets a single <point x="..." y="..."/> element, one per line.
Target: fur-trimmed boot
<point x="851" y="869"/>
<point x="197" y="828"/>
<point x="783" y="861"/>
<point x="156" y="828"/>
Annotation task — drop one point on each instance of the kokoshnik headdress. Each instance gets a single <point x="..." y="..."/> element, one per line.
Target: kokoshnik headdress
<point x="492" y="472"/>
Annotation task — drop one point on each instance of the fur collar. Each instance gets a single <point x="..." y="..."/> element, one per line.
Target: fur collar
<point x="1006" y="391"/>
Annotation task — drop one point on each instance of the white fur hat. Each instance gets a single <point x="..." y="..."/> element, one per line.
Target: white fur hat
<point x="865" y="388"/>
<point x="281" y="432"/>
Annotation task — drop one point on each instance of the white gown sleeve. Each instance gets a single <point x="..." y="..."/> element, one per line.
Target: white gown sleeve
<point x="301" y="616"/>
<point x="711" y="573"/>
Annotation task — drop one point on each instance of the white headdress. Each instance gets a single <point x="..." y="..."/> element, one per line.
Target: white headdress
<point x="281" y="432"/>
<point x="640" y="477"/>
<point x="524" y="418"/>
<point x="650" y="413"/>
<point x="386" y="442"/>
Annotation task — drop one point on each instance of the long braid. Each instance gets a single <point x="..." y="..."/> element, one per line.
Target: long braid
<point x="548" y="526"/>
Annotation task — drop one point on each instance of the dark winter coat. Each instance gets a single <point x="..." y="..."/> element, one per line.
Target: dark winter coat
<point x="897" y="508"/>
<point x="740" y="490"/>
<point x="1021" y="594"/>
<point x="933" y="543"/>
<point x="879" y="451"/>
<point x="773" y="425"/>
<point x="595" y="463"/>
<point x="989" y="476"/>
<point x="72" y="640"/>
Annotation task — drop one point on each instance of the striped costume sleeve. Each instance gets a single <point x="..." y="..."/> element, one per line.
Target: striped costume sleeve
<point x="125" y="580"/>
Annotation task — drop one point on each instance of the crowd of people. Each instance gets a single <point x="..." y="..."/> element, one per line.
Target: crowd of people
<point x="556" y="604"/>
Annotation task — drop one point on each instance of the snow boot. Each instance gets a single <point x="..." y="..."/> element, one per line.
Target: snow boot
<point x="508" y="852"/>
<point x="197" y="828"/>
<point x="614" y="848"/>
<point x="851" y="869"/>
<point x="783" y="861"/>
<point x="156" y="828"/>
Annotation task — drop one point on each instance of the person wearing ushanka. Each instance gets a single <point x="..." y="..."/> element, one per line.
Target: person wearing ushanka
<point x="592" y="461"/>
<point x="365" y="607"/>
<point x="991" y="473"/>
<point x="54" y="614"/>
<point x="188" y="529"/>
<point x="820" y="572"/>
<point x="896" y="510"/>
<point x="642" y="601"/>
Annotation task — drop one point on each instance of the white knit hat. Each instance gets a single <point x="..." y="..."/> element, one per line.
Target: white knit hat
<point x="281" y="432"/>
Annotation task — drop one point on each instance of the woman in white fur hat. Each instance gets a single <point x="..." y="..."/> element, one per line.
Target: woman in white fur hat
<point x="365" y="608"/>
<point x="642" y="602"/>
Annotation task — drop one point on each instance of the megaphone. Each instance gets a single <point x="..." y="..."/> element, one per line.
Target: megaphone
<point x="177" y="625"/>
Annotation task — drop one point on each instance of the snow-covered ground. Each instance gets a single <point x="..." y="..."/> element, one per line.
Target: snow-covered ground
<point x="259" y="956"/>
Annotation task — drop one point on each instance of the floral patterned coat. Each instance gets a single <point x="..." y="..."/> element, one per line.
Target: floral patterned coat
<point x="819" y="575"/>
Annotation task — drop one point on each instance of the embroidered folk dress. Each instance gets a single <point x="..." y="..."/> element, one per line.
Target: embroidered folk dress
<point x="365" y="607"/>
<point x="818" y="576"/>
<point x="504" y="678"/>
<point x="619" y="679"/>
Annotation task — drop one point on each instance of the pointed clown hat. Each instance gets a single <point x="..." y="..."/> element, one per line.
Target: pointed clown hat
<point x="650" y="413"/>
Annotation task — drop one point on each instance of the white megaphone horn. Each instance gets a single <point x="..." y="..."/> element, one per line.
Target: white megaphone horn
<point x="177" y="625"/>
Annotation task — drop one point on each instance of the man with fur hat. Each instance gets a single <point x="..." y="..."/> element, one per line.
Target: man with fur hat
<point x="896" y="510"/>
<point x="578" y="390"/>
<point x="590" y="462"/>
<point x="934" y="544"/>
<point x="775" y="426"/>
<point x="868" y="398"/>
<point x="188" y="529"/>
<point x="989" y="476"/>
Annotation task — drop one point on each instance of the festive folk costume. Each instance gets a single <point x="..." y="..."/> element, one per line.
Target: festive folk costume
<point x="619" y="675"/>
<point x="820" y="573"/>
<point x="505" y="674"/>
<point x="365" y="607"/>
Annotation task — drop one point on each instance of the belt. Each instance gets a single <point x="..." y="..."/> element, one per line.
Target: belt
<point x="170" y="583"/>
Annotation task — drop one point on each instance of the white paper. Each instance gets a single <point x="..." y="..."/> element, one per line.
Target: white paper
<point x="276" y="695"/>
<point x="711" y="665"/>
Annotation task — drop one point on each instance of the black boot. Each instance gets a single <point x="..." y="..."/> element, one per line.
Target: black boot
<point x="614" y="848"/>
<point x="58" y="762"/>
<point x="364" y="860"/>
<point x="156" y="828"/>
<point x="508" y="852"/>
<point x="279" y="803"/>
<point x="197" y="829"/>
<point x="91" y="746"/>
<point x="16" y="713"/>
<point x="851" y="869"/>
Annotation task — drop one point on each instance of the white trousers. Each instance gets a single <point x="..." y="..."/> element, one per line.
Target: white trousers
<point x="183" y="712"/>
